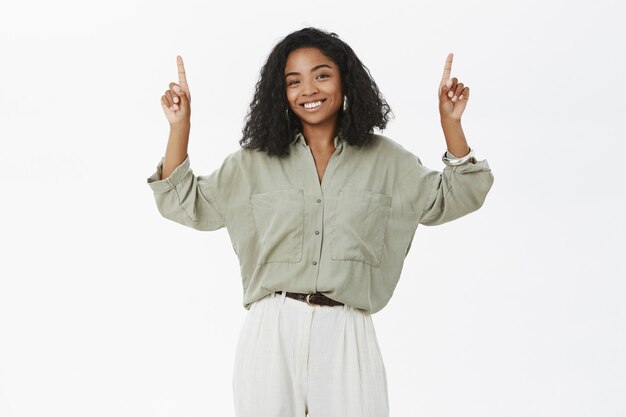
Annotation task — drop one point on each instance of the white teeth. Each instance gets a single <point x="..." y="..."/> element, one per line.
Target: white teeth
<point x="312" y="105"/>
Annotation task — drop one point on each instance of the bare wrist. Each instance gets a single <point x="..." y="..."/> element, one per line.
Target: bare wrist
<point x="180" y="126"/>
<point x="447" y="121"/>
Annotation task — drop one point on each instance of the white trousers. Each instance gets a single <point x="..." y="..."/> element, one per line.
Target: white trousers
<point x="297" y="360"/>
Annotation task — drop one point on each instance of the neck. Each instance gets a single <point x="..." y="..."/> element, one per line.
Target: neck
<point x="320" y="137"/>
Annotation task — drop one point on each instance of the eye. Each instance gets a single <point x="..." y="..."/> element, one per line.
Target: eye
<point x="295" y="81"/>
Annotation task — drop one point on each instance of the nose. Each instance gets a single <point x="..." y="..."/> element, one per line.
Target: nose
<point x="309" y="88"/>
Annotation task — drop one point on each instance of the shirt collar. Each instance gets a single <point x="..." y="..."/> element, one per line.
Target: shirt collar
<point x="299" y="139"/>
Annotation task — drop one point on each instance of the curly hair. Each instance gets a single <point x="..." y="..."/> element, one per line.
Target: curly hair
<point x="268" y="128"/>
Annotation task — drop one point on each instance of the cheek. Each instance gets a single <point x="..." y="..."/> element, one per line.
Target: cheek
<point x="339" y="96"/>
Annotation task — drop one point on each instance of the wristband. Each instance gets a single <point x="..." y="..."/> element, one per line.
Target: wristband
<point x="459" y="161"/>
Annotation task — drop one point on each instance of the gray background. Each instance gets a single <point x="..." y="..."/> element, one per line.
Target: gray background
<point x="107" y="309"/>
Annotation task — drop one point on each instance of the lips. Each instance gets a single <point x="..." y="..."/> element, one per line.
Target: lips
<point x="314" y="101"/>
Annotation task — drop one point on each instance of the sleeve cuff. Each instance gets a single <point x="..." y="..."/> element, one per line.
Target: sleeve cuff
<point x="160" y="185"/>
<point x="452" y="160"/>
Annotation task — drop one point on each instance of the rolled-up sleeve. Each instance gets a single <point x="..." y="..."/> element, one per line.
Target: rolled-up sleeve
<point x="438" y="197"/>
<point x="186" y="198"/>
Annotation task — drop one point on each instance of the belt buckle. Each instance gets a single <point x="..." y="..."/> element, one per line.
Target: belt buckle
<point x="308" y="300"/>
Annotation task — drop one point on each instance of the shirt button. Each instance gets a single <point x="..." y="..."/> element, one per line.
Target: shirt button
<point x="317" y="232"/>
<point x="319" y="201"/>
<point x="314" y="262"/>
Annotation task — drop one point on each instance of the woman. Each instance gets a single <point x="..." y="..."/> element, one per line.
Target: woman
<point x="321" y="213"/>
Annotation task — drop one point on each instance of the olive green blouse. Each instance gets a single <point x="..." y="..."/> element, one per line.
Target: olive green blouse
<point x="346" y="237"/>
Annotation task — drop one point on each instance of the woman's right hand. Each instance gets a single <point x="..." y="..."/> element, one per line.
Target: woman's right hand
<point x="176" y="101"/>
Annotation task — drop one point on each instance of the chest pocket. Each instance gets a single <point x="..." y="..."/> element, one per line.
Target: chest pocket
<point x="279" y="219"/>
<point x="359" y="226"/>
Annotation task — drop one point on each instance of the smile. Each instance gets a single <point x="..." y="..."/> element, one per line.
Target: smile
<point x="313" y="106"/>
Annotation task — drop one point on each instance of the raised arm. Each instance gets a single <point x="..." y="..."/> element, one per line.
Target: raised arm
<point x="176" y="104"/>
<point x="180" y="195"/>
<point x="462" y="186"/>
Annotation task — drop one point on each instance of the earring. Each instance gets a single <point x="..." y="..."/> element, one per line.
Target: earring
<point x="345" y="103"/>
<point x="287" y="113"/>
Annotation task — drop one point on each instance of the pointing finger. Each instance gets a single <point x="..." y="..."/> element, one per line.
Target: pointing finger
<point x="447" y="69"/>
<point x="182" y="76"/>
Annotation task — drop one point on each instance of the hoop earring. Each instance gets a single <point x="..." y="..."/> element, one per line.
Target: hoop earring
<point x="345" y="103"/>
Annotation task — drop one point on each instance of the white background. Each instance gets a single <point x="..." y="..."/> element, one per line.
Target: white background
<point x="107" y="309"/>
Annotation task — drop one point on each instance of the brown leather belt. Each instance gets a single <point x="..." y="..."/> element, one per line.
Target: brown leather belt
<point x="312" y="299"/>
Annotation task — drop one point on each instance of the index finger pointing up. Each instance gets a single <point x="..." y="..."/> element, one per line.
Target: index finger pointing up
<point x="182" y="77"/>
<point x="447" y="68"/>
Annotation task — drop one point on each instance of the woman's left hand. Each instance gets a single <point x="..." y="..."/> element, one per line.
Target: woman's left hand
<point x="453" y="95"/>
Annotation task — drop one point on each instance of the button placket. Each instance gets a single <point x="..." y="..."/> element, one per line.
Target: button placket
<point x="320" y="219"/>
<point x="320" y="188"/>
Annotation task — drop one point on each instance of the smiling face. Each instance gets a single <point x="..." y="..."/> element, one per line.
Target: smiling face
<point x="311" y="77"/>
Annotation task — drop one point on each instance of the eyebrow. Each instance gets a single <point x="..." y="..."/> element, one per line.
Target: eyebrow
<point x="312" y="69"/>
